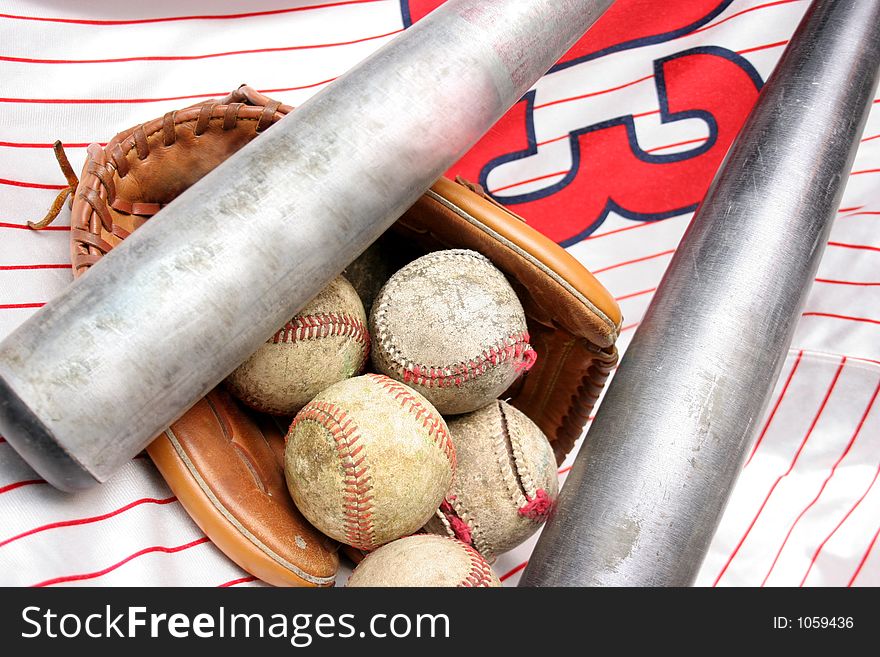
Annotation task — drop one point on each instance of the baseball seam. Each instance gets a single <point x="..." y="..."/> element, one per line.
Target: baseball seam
<point x="322" y="325"/>
<point x="313" y="327"/>
<point x="357" y="512"/>
<point x="537" y="503"/>
<point x="451" y="509"/>
<point x="520" y="467"/>
<point x="514" y="347"/>
<point x="443" y="516"/>
<point x="507" y="462"/>
<point x="479" y="574"/>
<point x="250" y="400"/>
<point x="430" y="419"/>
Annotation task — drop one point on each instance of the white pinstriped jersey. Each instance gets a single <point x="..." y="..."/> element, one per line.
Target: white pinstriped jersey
<point x="609" y="154"/>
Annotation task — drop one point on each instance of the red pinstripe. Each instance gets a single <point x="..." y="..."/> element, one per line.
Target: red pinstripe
<point x="809" y="506"/>
<point x="28" y="267"/>
<point x="19" y="484"/>
<point x="108" y="569"/>
<point x="846" y="317"/>
<point x="745" y="11"/>
<point x="593" y="93"/>
<point x="678" y="143"/>
<point x="635" y="116"/>
<point x="513" y="571"/>
<point x="650" y="150"/>
<point x="626" y="228"/>
<point x="33" y="185"/>
<point x="629" y="327"/>
<point x="839" y="525"/>
<point x="89" y="520"/>
<point x="25" y="144"/>
<point x="150" y="100"/>
<point x="786" y="473"/>
<point x="634" y="261"/>
<point x="11" y="306"/>
<point x="858" y="173"/>
<point x="562" y="471"/>
<point x="168" y="19"/>
<point x="863" y="247"/>
<point x="872" y="137"/>
<point x="176" y="58"/>
<point x="861" y="214"/>
<point x="117" y="101"/>
<point x="776" y="44"/>
<point x="550" y="141"/>
<point x="835" y="282"/>
<point x="523" y="182"/>
<point x="21" y="226"/>
<point x="635" y="294"/>
<point x="233" y="582"/>
<point x="770" y="417"/>
<point x="864" y="558"/>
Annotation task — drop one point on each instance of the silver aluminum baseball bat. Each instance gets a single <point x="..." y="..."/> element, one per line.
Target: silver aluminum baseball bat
<point x="648" y="487"/>
<point x="102" y="369"/>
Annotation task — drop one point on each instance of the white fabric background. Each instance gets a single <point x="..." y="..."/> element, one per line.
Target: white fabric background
<point x="806" y="508"/>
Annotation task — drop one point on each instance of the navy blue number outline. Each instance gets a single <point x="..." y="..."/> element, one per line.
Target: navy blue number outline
<point x="666" y="116"/>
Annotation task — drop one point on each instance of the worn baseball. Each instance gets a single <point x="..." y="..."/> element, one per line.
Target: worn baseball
<point x="450" y="326"/>
<point x="368" y="460"/>
<point x="424" y="560"/>
<point x="326" y="342"/>
<point x="506" y="482"/>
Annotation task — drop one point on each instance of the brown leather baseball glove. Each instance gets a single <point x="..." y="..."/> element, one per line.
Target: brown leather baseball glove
<point x="222" y="460"/>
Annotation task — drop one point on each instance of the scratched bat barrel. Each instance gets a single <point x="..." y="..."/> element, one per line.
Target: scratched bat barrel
<point x="98" y="372"/>
<point x="647" y="490"/>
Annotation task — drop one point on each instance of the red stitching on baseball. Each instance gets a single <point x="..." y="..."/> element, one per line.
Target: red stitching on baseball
<point x="431" y="421"/>
<point x="537" y="508"/>
<point x="322" y="325"/>
<point x="358" y="503"/>
<point x="459" y="527"/>
<point x="480" y="573"/>
<point x="514" y="348"/>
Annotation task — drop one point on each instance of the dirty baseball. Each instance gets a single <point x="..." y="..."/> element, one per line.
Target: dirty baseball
<point x="324" y="343"/>
<point x="368" y="461"/>
<point x="424" y="560"/>
<point x="450" y="325"/>
<point x="505" y="483"/>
